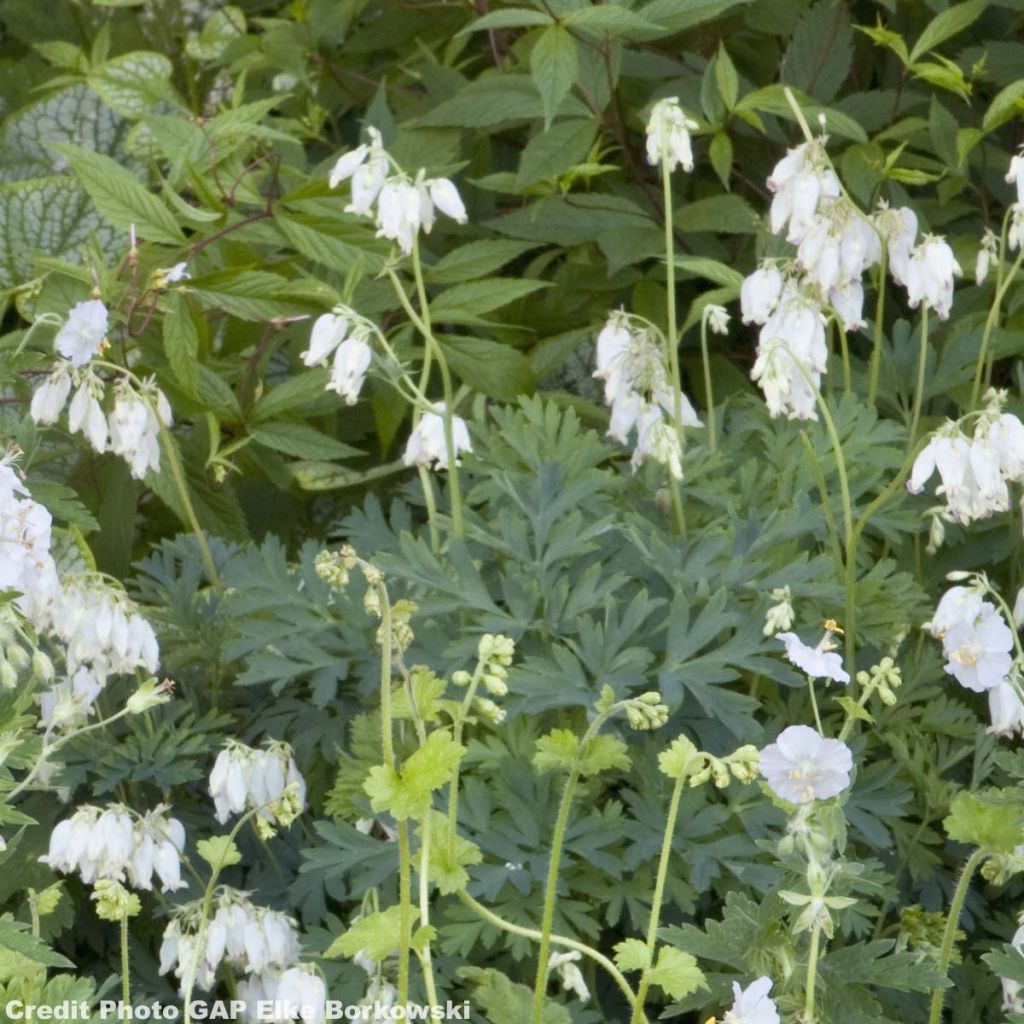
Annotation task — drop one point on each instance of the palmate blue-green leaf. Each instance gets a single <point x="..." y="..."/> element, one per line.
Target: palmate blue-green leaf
<point x="120" y="196"/>
<point x="47" y="216"/>
<point x="507" y="1002"/>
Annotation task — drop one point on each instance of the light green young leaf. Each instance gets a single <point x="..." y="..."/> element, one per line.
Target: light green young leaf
<point x="680" y="759"/>
<point x="602" y="754"/>
<point x="407" y="794"/>
<point x="946" y="25"/>
<point x="631" y="955"/>
<point x="219" y="852"/>
<point x="447" y="863"/>
<point x="376" y="936"/>
<point x="677" y="973"/>
<point x="726" y="78"/>
<point x="556" y="751"/>
<point x="511" y="18"/>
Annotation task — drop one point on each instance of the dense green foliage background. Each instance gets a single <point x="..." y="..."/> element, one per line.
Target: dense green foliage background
<point x="211" y="128"/>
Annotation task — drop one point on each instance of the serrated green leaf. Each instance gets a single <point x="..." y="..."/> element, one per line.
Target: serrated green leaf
<point x="407" y="793"/>
<point x="631" y="955"/>
<point x="556" y="751"/>
<point x="726" y="78"/>
<point x="475" y="298"/>
<point x="302" y="441"/>
<point x="376" y="936"/>
<point x="181" y="343"/>
<point x="477" y="259"/>
<point x="553" y="66"/>
<point x="947" y="24"/>
<point x="989" y="820"/>
<point x="680" y="759"/>
<point x="120" y="196"/>
<point x="511" y="18"/>
<point x="677" y="973"/>
<point x="219" y="852"/>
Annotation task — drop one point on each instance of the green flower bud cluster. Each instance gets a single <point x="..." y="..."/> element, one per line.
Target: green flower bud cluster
<point x="646" y="712"/>
<point x="922" y="930"/>
<point x="884" y="678"/>
<point x="114" y="902"/>
<point x="152" y="693"/>
<point x="684" y="760"/>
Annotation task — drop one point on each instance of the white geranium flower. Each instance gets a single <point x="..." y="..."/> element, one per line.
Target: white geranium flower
<point x="51" y="396"/>
<point x="752" y="1005"/>
<point x="802" y="766"/>
<point x="818" y="662"/>
<point x="668" y="135"/>
<point x="426" y="445"/>
<point x="979" y="650"/>
<point x="83" y="332"/>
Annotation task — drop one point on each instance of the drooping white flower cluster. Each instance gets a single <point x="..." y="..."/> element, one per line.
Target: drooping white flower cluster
<point x="835" y="242"/>
<point x="792" y="350"/>
<point x="668" y="135"/>
<point x="131" y="429"/>
<point x="404" y="206"/>
<point x="100" y="630"/>
<point x="802" y="765"/>
<point x="566" y="965"/>
<point x="1015" y="175"/>
<point x="249" y="938"/>
<point x="298" y="993"/>
<point x="110" y="844"/>
<point x="347" y="335"/>
<point x="427" y="445"/>
<point x="752" y="1005"/>
<point x="263" y="780"/>
<point x="977" y="644"/>
<point x="927" y="269"/>
<point x="975" y="471"/>
<point x="638" y="389"/>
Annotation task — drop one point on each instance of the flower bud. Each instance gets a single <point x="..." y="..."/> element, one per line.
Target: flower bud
<point x="42" y="667"/>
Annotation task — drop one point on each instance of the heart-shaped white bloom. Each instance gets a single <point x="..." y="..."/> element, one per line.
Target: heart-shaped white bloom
<point x="329" y="331"/>
<point x="85" y="415"/>
<point x="83" y="332"/>
<point x="759" y="293"/>
<point x="446" y="198"/>
<point x="802" y="765"/>
<point x="930" y="276"/>
<point x="427" y="445"/>
<point x="668" y="135"/>
<point x="351" y="362"/>
<point x="51" y="396"/>
<point x="752" y="1005"/>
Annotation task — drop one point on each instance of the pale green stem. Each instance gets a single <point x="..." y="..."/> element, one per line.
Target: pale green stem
<point x="558" y="940"/>
<point x="126" y="985"/>
<point x="177" y="473"/>
<point x="457" y="727"/>
<point x="427" y="486"/>
<point x="812" y="974"/>
<point x="659" y="894"/>
<point x="922" y="364"/>
<point x="826" y="504"/>
<point x="670" y="298"/>
<point x="849" y="536"/>
<point x="48" y="751"/>
<point x="1003" y="282"/>
<point x="949" y="934"/>
<point x="814" y="705"/>
<point x="426" y="958"/>
<point x="844" y="348"/>
<point x="551" y="888"/>
<point x="422" y="323"/>
<point x="405" y="910"/>
<point x="211" y="885"/>
<point x="709" y="396"/>
<point x="876" y="347"/>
